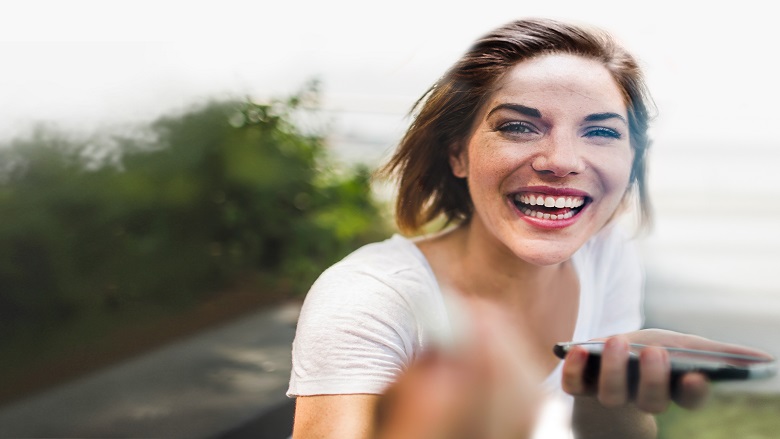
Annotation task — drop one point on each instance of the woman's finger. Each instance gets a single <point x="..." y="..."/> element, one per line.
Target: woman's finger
<point x="693" y="391"/>
<point x="653" y="393"/>
<point x="574" y="371"/>
<point x="613" y="386"/>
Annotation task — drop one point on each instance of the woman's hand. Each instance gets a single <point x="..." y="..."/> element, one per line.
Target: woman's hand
<point x="487" y="387"/>
<point x="653" y="394"/>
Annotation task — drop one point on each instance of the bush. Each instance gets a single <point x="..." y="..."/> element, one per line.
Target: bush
<point x="186" y="206"/>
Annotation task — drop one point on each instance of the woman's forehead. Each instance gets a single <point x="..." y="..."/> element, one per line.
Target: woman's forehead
<point x="558" y="80"/>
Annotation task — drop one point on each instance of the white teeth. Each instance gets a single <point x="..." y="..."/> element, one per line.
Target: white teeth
<point x="541" y="215"/>
<point x="557" y="202"/>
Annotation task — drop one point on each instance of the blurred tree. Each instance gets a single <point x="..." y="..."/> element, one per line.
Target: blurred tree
<point x="187" y="206"/>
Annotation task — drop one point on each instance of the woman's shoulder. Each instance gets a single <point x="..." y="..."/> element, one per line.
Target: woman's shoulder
<point x="394" y="254"/>
<point x="392" y="265"/>
<point x="360" y="324"/>
<point x="385" y="285"/>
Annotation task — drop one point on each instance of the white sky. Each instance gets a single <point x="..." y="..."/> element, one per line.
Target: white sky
<point x="711" y="69"/>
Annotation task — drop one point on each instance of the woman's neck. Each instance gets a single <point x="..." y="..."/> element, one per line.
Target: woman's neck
<point x="470" y="262"/>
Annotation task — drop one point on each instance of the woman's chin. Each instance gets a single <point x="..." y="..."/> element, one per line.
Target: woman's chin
<point x="546" y="255"/>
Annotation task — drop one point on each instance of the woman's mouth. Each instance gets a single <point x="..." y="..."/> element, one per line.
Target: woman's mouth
<point x="549" y="207"/>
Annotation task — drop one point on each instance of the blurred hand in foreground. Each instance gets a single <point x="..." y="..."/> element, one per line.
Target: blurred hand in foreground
<point x="484" y="388"/>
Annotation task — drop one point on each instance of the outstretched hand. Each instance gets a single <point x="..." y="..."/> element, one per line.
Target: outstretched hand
<point x="486" y="387"/>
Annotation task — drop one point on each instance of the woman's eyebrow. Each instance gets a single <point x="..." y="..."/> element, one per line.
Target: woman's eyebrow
<point x="596" y="117"/>
<point x="528" y="111"/>
<point x="533" y="112"/>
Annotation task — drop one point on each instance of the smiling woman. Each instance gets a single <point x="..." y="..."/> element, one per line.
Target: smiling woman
<point x="529" y="147"/>
<point x="556" y="127"/>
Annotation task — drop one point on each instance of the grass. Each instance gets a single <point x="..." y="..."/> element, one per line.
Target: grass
<point x="726" y="416"/>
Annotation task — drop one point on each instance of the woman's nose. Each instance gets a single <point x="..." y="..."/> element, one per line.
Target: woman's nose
<point x="559" y="156"/>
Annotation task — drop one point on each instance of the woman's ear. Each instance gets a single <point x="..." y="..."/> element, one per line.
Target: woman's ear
<point x="459" y="161"/>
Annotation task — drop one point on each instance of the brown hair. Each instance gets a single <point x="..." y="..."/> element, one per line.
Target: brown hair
<point x="444" y="115"/>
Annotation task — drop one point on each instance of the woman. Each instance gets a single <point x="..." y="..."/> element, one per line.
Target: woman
<point x="529" y="148"/>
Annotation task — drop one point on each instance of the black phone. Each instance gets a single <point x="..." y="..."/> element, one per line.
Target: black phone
<point x="717" y="366"/>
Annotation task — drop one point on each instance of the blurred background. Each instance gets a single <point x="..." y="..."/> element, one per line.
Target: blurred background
<point x="170" y="169"/>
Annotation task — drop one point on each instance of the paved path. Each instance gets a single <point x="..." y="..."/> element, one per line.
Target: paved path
<point x="202" y="387"/>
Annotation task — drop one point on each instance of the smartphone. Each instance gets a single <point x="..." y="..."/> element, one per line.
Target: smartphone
<point x="717" y="366"/>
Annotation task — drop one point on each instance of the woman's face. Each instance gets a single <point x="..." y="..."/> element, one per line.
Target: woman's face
<point x="549" y="159"/>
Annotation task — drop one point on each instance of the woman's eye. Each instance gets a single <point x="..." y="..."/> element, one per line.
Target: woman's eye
<point x="603" y="132"/>
<point x="516" y="128"/>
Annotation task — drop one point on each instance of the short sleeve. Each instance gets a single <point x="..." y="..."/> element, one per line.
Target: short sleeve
<point x="354" y="335"/>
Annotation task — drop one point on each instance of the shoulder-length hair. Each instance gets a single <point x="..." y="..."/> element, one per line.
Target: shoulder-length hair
<point x="443" y="117"/>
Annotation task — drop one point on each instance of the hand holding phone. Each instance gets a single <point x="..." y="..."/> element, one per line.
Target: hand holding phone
<point x="716" y="366"/>
<point x="668" y="363"/>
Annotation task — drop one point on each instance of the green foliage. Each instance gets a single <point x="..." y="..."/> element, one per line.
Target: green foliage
<point x="185" y="206"/>
<point x="726" y="416"/>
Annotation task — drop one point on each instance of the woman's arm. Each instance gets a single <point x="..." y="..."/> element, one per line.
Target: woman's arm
<point x="335" y="416"/>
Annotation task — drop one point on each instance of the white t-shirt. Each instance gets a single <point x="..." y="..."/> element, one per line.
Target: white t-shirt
<point x="368" y="316"/>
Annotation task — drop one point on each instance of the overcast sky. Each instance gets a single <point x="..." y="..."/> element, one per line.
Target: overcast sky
<point x="81" y="62"/>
